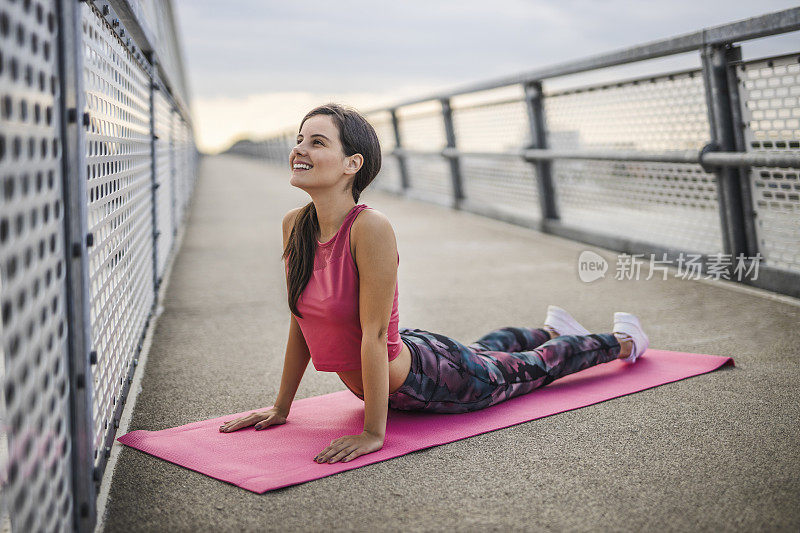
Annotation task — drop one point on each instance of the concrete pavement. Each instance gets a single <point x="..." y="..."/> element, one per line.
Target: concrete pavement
<point x="713" y="452"/>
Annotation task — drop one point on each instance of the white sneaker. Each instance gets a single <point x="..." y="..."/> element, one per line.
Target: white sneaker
<point x="562" y="322"/>
<point x="629" y="325"/>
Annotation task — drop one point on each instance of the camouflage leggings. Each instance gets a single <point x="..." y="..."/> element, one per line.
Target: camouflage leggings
<point x="449" y="377"/>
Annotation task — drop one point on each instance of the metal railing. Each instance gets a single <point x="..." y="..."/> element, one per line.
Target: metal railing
<point x="702" y="161"/>
<point x="98" y="162"/>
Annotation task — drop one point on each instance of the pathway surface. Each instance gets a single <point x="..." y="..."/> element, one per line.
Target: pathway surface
<point x="719" y="451"/>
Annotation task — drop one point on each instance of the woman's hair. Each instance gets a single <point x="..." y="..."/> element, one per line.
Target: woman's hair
<point x="357" y="136"/>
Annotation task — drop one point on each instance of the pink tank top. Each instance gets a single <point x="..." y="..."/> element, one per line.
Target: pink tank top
<point x="331" y="324"/>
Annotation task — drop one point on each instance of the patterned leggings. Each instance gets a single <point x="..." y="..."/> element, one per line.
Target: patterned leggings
<point x="449" y="377"/>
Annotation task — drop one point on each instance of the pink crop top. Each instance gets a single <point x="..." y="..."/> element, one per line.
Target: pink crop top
<point x="329" y="303"/>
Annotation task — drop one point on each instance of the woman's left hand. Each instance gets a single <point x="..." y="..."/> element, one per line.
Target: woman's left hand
<point x="349" y="447"/>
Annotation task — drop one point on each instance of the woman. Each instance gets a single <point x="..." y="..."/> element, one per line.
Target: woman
<point x="341" y="272"/>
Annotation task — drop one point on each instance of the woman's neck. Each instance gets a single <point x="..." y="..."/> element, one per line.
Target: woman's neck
<point x="331" y="217"/>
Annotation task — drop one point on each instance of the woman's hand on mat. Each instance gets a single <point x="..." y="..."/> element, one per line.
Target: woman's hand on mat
<point x="349" y="447"/>
<point x="260" y="419"/>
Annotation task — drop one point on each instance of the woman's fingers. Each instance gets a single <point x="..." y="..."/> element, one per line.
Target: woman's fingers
<point x="227" y="426"/>
<point x="322" y="454"/>
<point x="342" y="453"/>
<point x="350" y="456"/>
<point x="349" y="447"/>
<point x="331" y="450"/>
<point x="265" y="423"/>
<point x="237" y="424"/>
<point x="260" y="420"/>
<point x="272" y="420"/>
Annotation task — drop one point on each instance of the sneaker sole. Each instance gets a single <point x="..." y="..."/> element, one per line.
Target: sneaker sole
<point x="560" y="320"/>
<point x="630" y="325"/>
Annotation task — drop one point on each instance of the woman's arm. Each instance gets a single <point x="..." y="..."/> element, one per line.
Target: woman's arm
<point x="294" y="366"/>
<point x="297" y="353"/>
<point x="376" y="260"/>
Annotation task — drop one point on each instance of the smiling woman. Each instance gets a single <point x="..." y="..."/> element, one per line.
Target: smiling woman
<point x="341" y="264"/>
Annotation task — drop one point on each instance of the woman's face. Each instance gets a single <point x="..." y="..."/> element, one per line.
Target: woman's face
<point x="318" y="145"/>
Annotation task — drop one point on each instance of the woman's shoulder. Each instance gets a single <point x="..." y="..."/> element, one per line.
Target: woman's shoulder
<point x="372" y="229"/>
<point x="290" y="216"/>
<point x="370" y="220"/>
<point x="288" y="222"/>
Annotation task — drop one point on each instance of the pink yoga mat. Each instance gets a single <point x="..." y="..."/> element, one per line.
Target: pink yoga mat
<point x="283" y="455"/>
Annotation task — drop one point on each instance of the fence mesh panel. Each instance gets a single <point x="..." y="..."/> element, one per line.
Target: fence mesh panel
<point x="43" y="481"/>
<point x="35" y="480"/>
<point x="389" y="176"/>
<point x="769" y="90"/>
<point x="421" y="128"/>
<point x="666" y="204"/>
<point x="119" y="212"/>
<point x="496" y="121"/>
<point x="165" y="193"/>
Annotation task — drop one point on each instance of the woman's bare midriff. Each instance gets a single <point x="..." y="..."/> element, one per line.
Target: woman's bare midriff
<point x="399" y="367"/>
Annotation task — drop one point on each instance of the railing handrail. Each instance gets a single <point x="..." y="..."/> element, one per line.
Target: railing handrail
<point x="735" y="160"/>
<point x="777" y="158"/>
<point x="742" y="30"/>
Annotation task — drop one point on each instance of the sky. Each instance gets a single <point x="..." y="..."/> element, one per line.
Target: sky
<point x="255" y="67"/>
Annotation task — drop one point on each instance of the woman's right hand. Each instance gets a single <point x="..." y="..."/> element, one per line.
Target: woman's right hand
<point x="259" y="419"/>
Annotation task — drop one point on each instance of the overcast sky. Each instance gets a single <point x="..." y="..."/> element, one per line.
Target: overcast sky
<point x="257" y="66"/>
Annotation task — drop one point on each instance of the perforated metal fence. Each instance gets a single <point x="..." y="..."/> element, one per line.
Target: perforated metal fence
<point x="770" y="95"/>
<point x="98" y="168"/>
<point x="671" y="204"/>
<point x="36" y="467"/>
<point x="696" y="162"/>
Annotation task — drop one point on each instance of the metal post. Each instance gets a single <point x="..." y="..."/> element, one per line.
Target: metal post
<point x="749" y="213"/>
<point x="173" y="167"/>
<point x="74" y="120"/>
<point x="455" y="167"/>
<point x="544" y="180"/>
<point x="401" y="159"/>
<point x="154" y="173"/>
<point x="715" y="66"/>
